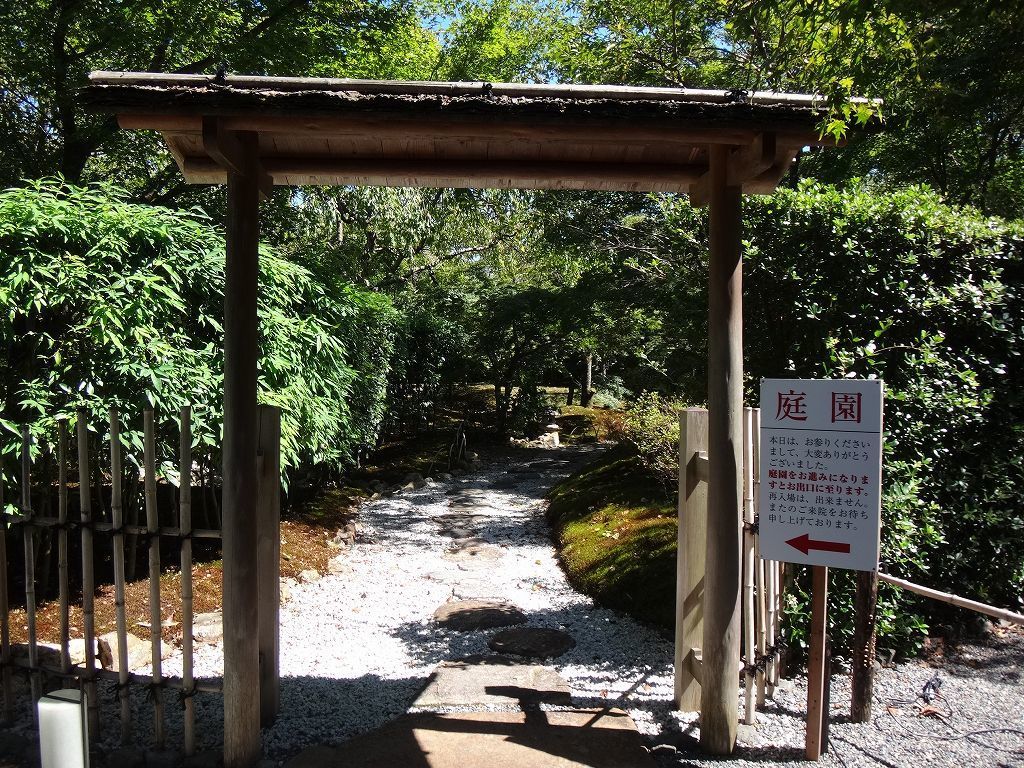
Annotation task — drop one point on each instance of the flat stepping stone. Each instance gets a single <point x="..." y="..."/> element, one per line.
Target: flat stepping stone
<point x="577" y="738"/>
<point x="487" y="681"/>
<point x="468" y="615"/>
<point x="534" y="642"/>
<point x="473" y="550"/>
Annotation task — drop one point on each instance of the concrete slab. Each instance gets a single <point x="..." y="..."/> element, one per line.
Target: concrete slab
<point x="578" y="738"/>
<point x="492" y="681"/>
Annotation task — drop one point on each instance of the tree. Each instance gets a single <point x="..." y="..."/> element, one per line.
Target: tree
<point x="48" y="46"/>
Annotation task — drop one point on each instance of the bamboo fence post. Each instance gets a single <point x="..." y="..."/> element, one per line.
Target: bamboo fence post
<point x="185" y="526"/>
<point x="88" y="576"/>
<point x="117" y="519"/>
<point x="155" y="615"/>
<point x="63" y="588"/>
<point x="30" y="565"/>
<point x="762" y="566"/>
<point x="5" y="628"/>
<point x="691" y="543"/>
<point x="268" y="525"/>
<point x="762" y="612"/>
<point x="772" y="669"/>
<point x="748" y="569"/>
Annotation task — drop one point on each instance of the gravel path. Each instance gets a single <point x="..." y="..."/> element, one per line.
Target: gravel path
<point x="357" y="646"/>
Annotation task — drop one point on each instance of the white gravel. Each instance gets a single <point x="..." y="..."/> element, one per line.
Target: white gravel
<point x="356" y="647"/>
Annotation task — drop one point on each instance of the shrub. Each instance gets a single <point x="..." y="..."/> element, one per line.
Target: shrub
<point x="109" y="303"/>
<point x="650" y="425"/>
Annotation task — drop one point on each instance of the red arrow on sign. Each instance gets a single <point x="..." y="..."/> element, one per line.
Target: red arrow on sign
<point x="805" y="544"/>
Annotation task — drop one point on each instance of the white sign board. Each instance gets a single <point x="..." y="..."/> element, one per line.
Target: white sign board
<point x="821" y="471"/>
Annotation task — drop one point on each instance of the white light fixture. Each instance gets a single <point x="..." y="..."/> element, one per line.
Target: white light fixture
<point x="63" y="732"/>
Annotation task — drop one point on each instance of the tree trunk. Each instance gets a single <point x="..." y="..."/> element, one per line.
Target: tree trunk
<point x="588" y="373"/>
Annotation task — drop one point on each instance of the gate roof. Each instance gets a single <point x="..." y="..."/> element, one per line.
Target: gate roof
<point x="400" y="133"/>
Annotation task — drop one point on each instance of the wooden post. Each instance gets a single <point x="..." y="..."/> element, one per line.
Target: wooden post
<point x="155" y="615"/>
<point x="88" y="576"/>
<point x="242" y="746"/>
<point x="691" y="549"/>
<point x="749" y="567"/>
<point x="268" y="522"/>
<point x="723" y="580"/>
<point x="63" y="586"/>
<point x="5" y="619"/>
<point x="817" y="706"/>
<point x="30" y="566"/>
<point x="864" y="646"/>
<point x="117" y="519"/>
<point x="185" y="526"/>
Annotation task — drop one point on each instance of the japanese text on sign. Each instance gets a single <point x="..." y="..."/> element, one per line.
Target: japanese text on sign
<point x="821" y="462"/>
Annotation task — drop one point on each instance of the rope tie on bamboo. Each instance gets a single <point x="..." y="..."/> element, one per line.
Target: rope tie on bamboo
<point x="185" y="694"/>
<point x="121" y="689"/>
<point x="154" y="687"/>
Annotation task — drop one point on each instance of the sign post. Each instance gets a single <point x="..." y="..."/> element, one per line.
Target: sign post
<point x="821" y="498"/>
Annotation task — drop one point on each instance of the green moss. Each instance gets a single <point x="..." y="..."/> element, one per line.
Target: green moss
<point x="616" y="532"/>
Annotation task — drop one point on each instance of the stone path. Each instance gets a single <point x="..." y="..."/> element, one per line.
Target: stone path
<point x="485" y="711"/>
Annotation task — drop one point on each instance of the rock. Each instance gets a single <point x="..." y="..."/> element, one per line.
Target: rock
<point x="103" y="653"/>
<point x="886" y="656"/>
<point x="140" y="652"/>
<point x="337" y="565"/>
<point x="166" y="758"/>
<point x="533" y="642"/>
<point x="468" y="615"/>
<point x="376" y="495"/>
<point x="308" y="576"/>
<point x="413" y="477"/>
<point x="473" y="550"/>
<point x="410" y="486"/>
<point x="444" y="476"/>
<point x="208" y="627"/>
<point x="285" y="590"/>
<point x="458" y="471"/>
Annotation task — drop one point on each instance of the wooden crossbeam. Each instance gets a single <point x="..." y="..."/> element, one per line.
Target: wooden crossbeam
<point x="757" y="168"/>
<point x="228" y="149"/>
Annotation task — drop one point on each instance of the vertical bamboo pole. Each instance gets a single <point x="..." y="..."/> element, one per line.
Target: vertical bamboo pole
<point x="817" y="704"/>
<point x="772" y="577"/>
<point x="185" y="524"/>
<point x="268" y="517"/>
<point x="242" y="746"/>
<point x="88" y="576"/>
<point x="63" y="588"/>
<point x="762" y="612"/>
<point x="5" y="627"/>
<point x="749" y="565"/>
<point x="723" y="581"/>
<point x="762" y="567"/>
<point x="691" y="550"/>
<point x="117" y="515"/>
<point x="28" y="531"/>
<point x="155" y="615"/>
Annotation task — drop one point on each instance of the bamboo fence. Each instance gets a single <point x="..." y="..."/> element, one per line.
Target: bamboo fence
<point x="86" y="675"/>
